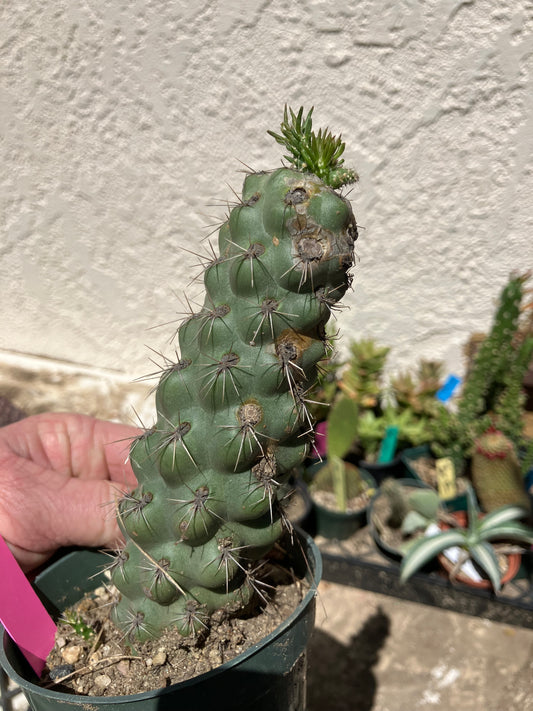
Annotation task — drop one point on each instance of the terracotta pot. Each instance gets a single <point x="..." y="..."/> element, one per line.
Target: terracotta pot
<point x="513" y="561"/>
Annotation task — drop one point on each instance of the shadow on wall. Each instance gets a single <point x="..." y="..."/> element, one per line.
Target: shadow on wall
<point x="340" y="677"/>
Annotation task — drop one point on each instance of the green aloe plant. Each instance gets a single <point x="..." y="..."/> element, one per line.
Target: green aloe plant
<point x="475" y="541"/>
<point x="232" y="419"/>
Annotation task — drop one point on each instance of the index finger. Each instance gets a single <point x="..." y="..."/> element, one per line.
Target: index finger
<point x="73" y="445"/>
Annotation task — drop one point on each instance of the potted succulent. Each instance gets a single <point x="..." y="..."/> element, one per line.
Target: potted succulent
<point x="400" y="513"/>
<point x="407" y="405"/>
<point x="473" y="545"/>
<point x="232" y="423"/>
<point x="485" y="432"/>
<point x="384" y="419"/>
<point x="340" y="491"/>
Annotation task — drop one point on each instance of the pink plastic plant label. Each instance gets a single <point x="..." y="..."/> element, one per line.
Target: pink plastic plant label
<point x="22" y="613"/>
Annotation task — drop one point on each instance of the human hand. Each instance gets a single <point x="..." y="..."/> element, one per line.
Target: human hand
<point x="60" y="475"/>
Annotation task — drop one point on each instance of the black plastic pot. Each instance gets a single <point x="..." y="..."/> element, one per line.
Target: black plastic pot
<point x="269" y="675"/>
<point x="388" y="551"/>
<point x="410" y="456"/>
<point x="340" y="525"/>
<point x="380" y="472"/>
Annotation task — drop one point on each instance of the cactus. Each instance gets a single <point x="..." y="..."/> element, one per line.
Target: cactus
<point x="496" y="472"/>
<point x="409" y="512"/>
<point x="495" y="380"/>
<point x="399" y="505"/>
<point x="232" y="420"/>
<point x="492" y="393"/>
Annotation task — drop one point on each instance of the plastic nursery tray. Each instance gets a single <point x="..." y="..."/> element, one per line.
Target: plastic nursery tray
<point x="357" y="562"/>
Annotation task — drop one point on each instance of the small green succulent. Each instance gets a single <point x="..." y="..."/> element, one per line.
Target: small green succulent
<point x="503" y="525"/>
<point x="319" y="153"/>
<point x="73" y="619"/>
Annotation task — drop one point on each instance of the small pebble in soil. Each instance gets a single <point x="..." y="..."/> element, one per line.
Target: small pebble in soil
<point x="71" y="653"/>
<point x="159" y="659"/>
<point x="102" y="681"/>
<point x="61" y="670"/>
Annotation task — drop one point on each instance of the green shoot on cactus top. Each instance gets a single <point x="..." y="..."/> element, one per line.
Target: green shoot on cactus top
<point x="78" y="625"/>
<point x="319" y="153"/>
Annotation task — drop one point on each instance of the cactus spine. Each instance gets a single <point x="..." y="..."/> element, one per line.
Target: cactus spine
<point x="492" y="393"/>
<point x="231" y="411"/>
<point x="496" y="473"/>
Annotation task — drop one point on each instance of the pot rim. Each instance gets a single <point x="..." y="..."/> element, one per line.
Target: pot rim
<point x="308" y="546"/>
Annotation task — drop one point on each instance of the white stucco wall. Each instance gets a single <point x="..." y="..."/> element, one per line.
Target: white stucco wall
<point x="124" y="124"/>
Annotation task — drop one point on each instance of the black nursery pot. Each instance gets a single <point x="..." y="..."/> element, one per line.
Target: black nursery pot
<point x="380" y="472"/>
<point x="339" y="525"/>
<point x="269" y="675"/>
<point x="389" y="552"/>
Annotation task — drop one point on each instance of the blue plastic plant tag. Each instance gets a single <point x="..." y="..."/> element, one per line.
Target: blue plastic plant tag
<point x="387" y="449"/>
<point x="448" y="388"/>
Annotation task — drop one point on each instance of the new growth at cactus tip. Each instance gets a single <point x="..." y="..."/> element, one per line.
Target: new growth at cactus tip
<point x="319" y="153"/>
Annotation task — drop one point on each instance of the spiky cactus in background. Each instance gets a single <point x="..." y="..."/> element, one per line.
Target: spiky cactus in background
<point x="492" y="393"/>
<point x="496" y="473"/>
<point x="231" y="411"/>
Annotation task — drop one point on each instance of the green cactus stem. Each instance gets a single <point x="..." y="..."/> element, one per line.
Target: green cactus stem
<point x="496" y="473"/>
<point x="499" y="363"/>
<point x="409" y="512"/>
<point x="492" y="393"/>
<point x="232" y="419"/>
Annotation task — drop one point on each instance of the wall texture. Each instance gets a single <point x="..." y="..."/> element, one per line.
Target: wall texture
<point x="125" y="123"/>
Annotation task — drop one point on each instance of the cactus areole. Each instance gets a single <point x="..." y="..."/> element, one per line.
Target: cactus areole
<point x="232" y="420"/>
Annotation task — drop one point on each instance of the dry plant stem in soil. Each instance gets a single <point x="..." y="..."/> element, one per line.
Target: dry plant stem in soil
<point x="107" y="665"/>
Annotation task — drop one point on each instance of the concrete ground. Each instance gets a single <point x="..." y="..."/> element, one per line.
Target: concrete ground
<point x="375" y="652"/>
<point x="368" y="651"/>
